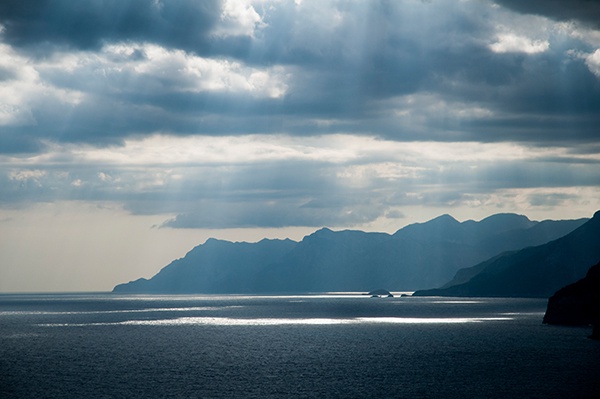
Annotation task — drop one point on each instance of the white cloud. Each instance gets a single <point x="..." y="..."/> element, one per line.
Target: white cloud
<point x="512" y="43"/>
<point x="171" y="151"/>
<point x="131" y="67"/>
<point x="425" y="107"/>
<point x="581" y="32"/>
<point x="25" y="174"/>
<point x="104" y="176"/>
<point x="249" y="177"/>
<point x="239" y="17"/>
<point x="23" y="90"/>
<point x="15" y="89"/>
<point x="15" y="115"/>
<point x="593" y="62"/>
<point x="32" y="86"/>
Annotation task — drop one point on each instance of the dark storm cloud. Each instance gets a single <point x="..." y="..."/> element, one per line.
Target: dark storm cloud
<point x="585" y="11"/>
<point x="117" y="74"/>
<point x="12" y="142"/>
<point x="347" y="72"/>
<point x="41" y="25"/>
<point x="279" y="214"/>
<point x="546" y="83"/>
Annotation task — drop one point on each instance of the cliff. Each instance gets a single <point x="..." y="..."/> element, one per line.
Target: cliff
<point x="536" y="271"/>
<point x="577" y="304"/>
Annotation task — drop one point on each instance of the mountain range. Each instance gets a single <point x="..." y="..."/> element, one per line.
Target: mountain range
<point x="418" y="256"/>
<point x="536" y="271"/>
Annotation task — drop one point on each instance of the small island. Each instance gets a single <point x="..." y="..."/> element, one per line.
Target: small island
<point x="378" y="293"/>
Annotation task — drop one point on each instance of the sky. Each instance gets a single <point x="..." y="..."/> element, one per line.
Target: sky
<point x="131" y="131"/>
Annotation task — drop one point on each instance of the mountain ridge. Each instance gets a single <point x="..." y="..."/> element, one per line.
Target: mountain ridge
<point x="417" y="256"/>
<point x="536" y="271"/>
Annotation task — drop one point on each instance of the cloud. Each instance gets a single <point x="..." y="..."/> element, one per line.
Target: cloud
<point x="551" y="199"/>
<point x="584" y="11"/>
<point x="41" y="26"/>
<point x="593" y="62"/>
<point x="508" y="43"/>
<point x="269" y="113"/>
<point x="275" y="214"/>
<point x="404" y="71"/>
<point x="279" y="181"/>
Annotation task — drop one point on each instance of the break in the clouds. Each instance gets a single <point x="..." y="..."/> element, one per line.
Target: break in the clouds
<point x="266" y="113"/>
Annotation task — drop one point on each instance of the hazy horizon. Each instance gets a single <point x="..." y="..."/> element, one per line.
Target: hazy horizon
<point x="132" y="131"/>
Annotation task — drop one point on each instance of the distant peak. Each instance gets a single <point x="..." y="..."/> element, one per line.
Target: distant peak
<point x="215" y="241"/>
<point x="439" y="223"/>
<point x="506" y="216"/>
<point x="325" y="231"/>
<point x="444" y="218"/>
<point x="596" y="215"/>
<point x="511" y="220"/>
<point x="270" y="240"/>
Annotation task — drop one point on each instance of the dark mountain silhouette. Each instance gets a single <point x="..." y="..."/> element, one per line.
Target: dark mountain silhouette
<point x="214" y="267"/>
<point x="418" y="256"/>
<point x="531" y="272"/>
<point x="577" y="304"/>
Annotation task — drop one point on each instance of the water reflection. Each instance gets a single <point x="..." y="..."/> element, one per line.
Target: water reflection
<point x="147" y="310"/>
<point x="228" y="321"/>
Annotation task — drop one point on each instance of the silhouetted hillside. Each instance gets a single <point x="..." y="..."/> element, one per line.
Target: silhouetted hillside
<point x="531" y="272"/>
<point x="577" y="303"/>
<point x="214" y="267"/>
<point x="417" y="256"/>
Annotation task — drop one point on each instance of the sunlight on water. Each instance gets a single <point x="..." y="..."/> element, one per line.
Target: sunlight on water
<point x="227" y="321"/>
<point x="540" y="314"/>
<point x="430" y="320"/>
<point x="200" y="308"/>
<point x="410" y="347"/>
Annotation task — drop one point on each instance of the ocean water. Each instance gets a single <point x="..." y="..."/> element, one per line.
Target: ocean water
<point x="304" y="346"/>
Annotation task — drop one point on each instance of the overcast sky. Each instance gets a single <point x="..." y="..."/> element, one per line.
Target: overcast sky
<point x="131" y="131"/>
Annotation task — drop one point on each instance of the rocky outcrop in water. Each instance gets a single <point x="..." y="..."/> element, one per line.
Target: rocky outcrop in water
<point x="380" y="292"/>
<point x="577" y="304"/>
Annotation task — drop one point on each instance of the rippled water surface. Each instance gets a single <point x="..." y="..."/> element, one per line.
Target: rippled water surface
<point x="338" y="346"/>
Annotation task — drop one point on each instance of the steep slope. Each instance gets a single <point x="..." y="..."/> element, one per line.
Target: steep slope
<point x="418" y="256"/>
<point x="330" y="261"/>
<point x="531" y="272"/>
<point x="492" y="235"/>
<point x="577" y="303"/>
<point x="214" y="267"/>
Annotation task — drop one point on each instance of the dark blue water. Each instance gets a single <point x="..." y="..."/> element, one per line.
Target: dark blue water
<point x="330" y="346"/>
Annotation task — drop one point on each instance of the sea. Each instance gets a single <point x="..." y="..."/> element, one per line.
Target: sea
<point x="331" y="345"/>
